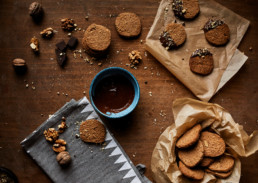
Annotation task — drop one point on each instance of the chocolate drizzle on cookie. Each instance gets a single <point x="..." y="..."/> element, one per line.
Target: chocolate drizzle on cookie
<point x="166" y="40"/>
<point x="212" y="24"/>
<point x="177" y="7"/>
<point x="201" y="52"/>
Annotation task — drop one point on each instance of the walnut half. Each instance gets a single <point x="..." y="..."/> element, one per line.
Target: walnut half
<point x="59" y="145"/>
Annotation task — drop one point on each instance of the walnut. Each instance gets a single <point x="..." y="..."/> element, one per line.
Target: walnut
<point x="63" y="158"/>
<point x="51" y="134"/>
<point x="62" y="127"/>
<point x="34" y="44"/>
<point x="36" y="10"/>
<point x="59" y="145"/>
<point x="135" y="58"/>
<point x="68" y="24"/>
<point x="47" y="33"/>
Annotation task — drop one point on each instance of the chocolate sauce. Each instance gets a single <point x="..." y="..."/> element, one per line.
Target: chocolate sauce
<point x="166" y="40"/>
<point x="212" y="24"/>
<point x="113" y="94"/>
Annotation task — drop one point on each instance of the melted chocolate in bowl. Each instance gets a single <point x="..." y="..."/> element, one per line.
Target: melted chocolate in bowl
<point x="113" y="94"/>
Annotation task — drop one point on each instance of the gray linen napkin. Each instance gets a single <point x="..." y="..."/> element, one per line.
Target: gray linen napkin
<point x="91" y="163"/>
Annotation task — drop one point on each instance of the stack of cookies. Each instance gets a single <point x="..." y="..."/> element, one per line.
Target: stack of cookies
<point x="200" y="151"/>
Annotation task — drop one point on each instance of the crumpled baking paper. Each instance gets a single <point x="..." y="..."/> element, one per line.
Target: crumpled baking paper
<point x="187" y="113"/>
<point x="177" y="61"/>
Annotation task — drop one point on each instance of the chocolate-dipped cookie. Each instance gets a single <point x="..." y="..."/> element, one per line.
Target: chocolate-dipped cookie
<point x="216" y="32"/>
<point x="173" y="36"/>
<point x="201" y="62"/>
<point x="186" y="9"/>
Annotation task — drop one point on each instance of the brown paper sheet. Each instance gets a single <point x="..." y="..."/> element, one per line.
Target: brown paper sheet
<point x="203" y="87"/>
<point x="188" y="112"/>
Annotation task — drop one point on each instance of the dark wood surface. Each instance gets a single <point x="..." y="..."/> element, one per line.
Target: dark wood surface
<point x="23" y="109"/>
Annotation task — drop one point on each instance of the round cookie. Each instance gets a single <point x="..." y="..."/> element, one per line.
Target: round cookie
<point x="213" y="144"/>
<point x="201" y="62"/>
<point x="219" y="174"/>
<point x="224" y="164"/>
<point x="128" y="25"/>
<point x="191" y="157"/>
<point x="173" y="36"/>
<point x="190" y="137"/>
<point x="196" y="174"/>
<point x="96" y="40"/>
<point x="186" y="9"/>
<point x="92" y="131"/>
<point x="206" y="162"/>
<point x="216" y="32"/>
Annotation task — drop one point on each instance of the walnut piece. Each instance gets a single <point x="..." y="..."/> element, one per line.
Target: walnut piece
<point x="47" y="33"/>
<point x="34" y="44"/>
<point x="135" y="58"/>
<point x="51" y="134"/>
<point x="63" y="158"/>
<point x="59" y="145"/>
<point x="62" y="127"/>
<point x="68" y="24"/>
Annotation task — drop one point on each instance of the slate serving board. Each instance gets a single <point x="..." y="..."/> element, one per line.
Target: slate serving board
<point x="91" y="163"/>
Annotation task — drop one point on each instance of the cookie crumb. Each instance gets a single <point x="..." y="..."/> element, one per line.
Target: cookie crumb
<point x="250" y="48"/>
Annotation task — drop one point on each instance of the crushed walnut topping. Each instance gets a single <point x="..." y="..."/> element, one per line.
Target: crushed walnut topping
<point x="68" y="24"/>
<point x="47" y="33"/>
<point x="135" y="58"/>
<point x="51" y="134"/>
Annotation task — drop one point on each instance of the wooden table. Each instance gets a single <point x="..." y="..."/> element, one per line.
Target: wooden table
<point x="23" y="109"/>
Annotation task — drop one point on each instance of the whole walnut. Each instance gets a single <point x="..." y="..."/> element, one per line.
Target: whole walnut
<point x="63" y="158"/>
<point x="36" y="10"/>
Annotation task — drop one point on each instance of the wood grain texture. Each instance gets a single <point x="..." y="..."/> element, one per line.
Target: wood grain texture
<point x="21" y="107"/>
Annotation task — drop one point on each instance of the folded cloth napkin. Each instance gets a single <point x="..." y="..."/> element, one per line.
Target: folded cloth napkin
<point x="91" y="163"/>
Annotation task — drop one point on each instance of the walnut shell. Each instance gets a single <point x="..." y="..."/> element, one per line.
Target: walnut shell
<point x="63" y="158"/>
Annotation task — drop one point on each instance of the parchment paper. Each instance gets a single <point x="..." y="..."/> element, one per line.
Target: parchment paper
<point x="177" y="61"/>
<point x="188" y="112"/>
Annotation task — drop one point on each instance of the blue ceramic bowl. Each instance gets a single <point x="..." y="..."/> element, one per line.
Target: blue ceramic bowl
<point x="114" y="71"/>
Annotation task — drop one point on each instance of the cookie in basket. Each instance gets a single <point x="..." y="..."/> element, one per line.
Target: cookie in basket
<point x="191" y="157"/>
<point x="196" y="174"/>
<point x="213" y="144"/>
<point x="190" y="137"/>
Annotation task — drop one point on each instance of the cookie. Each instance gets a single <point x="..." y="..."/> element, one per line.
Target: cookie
<point x="213" y="144"/>
<point x="190" y="137"/>
<point x="206" y="162"/>
<point x="224" y="163"/>
<point x="216" y="32"/>
<point x="173" y="36"/>
<point x="191" y="157"/>
<point x="128" y="25"/>
<point x="201" y="62"/>
<point x="219" y="174"/>
<point x="96" y="40"/>
<point x="186" y="9"/>
<point x="92" y="131"/>
<point x="196" y="174"/>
